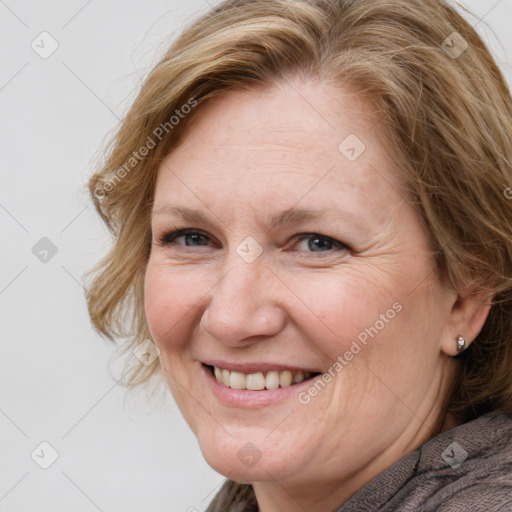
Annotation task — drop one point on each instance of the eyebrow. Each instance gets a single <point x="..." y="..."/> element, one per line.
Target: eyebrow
<point x="272" y="221"/>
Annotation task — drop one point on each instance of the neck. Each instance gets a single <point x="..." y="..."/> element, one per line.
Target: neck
<point x="321" y="496"/>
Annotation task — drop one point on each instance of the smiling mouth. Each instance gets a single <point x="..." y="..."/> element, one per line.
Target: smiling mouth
<point x="260" y="381"/>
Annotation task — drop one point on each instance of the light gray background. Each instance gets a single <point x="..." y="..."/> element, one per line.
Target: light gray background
<point x="117" y="453"/>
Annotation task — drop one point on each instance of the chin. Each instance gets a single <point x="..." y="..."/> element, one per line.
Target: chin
<point x="244" y="461"/>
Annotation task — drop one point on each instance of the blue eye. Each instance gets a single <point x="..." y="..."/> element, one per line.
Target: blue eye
<point x="195" y="238"/>
<point x="320" y="243"/>
<point x="191" y="238"/>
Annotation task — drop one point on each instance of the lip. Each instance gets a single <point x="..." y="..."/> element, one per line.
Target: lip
<point x="247" y="398"/>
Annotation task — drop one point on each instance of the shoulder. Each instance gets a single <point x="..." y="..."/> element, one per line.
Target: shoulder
<point x="482" y="479"/>
<point x="479" y="497"/>
<point x="234" y="497"/>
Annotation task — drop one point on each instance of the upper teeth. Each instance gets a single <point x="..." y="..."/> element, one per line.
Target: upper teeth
<point x="258" y="381"/>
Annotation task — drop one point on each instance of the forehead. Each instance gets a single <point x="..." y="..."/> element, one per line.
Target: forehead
<point x="293" y="142"/>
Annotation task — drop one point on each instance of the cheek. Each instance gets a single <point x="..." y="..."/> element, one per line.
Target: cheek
<point x="341" y="309"/>
<point x="380" y="321"/>
<point x="170" y="297"/>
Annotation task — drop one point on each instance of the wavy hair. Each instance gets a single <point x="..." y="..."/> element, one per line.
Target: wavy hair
<point x="439" y="96"/>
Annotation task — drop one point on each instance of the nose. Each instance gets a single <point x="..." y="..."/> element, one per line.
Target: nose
<point x="243" y="306"/>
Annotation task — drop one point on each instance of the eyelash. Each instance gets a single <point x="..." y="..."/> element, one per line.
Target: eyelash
<point x="168" y="238"/>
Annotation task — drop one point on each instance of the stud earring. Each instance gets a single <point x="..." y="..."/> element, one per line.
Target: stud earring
<point x="461" y="343"/>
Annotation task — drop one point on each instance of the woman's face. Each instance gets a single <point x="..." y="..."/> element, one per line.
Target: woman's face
<point x="303" y="256"/>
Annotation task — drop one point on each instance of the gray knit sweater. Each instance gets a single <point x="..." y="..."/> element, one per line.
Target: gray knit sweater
<point x="465" y="469"/>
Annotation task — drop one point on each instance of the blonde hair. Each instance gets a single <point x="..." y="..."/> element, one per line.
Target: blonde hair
<point x="449" y="120"/>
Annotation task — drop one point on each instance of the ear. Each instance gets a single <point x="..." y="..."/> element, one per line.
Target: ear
<point x="467" y="317"/>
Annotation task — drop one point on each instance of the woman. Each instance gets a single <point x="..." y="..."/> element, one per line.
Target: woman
<point x="308" y="203"/>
